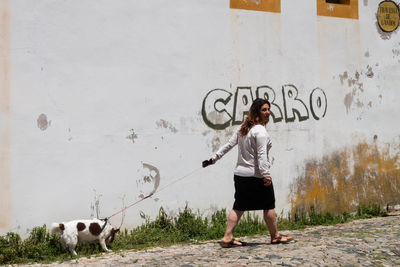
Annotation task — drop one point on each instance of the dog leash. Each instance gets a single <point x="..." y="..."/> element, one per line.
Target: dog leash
<point x="104" y="225"/>
<point x="151" y="194"/>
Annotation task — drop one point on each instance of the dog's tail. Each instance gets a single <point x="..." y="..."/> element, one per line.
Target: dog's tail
<point x="57" y="228"/>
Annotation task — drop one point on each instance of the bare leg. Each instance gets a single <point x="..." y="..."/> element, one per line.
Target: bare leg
<point x="270" y="220"/>
<point x="232" y="222"/>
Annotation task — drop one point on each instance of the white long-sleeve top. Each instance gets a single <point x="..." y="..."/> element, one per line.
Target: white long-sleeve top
<point x="253" y="152"/>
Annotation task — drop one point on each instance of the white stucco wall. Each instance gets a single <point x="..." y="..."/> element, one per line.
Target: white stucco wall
<point x="99" y="88"/>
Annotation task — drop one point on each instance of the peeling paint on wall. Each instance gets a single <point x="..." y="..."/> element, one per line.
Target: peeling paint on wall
<point x="396" y="53"/>
<point x="348" y="99"/>
<point x="42" y="122"/>
<point x="369" y="72"/>
<point x="166" y="125"/>
<point x="206" y="132"/>
<point x="5" y="91"/>
<point x="69" y="133"/>
<point x="133" y="136"/>
<point x="339" y="182"/>
<point x="343" y="77"/>
<point x="355" y="98"/>
<point x="220" y="138"/>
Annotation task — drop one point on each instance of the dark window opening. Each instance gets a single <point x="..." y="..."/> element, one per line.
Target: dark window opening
<point x="338" y="8"/>
<point x="340" y="2"/>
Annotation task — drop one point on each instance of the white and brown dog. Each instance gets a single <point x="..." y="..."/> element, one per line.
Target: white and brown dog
<point x="93" y="230"/>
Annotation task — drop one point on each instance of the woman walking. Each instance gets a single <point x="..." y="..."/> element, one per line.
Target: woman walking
<point x="253" y="184"/>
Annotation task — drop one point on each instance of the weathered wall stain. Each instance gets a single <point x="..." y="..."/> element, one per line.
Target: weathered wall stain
<point x="133" y="136"/>
<point x="396" y="53"/>
<point x="206" y="132"/>
<point x="166" y="125"/>
<point x="348" y="99"/>
<point x="5" y="91"/>
<point x="42" y="122"/>
<point x="343" y="77"/>
<point x="369" y="73"/>
<point x="341" y="181"/>
<point x="220" y="109"/>
<point x="69" y="133"/>
<point x="355" y="99"/>
<point x="219" y="138"/>
<point x="150" y="175"/>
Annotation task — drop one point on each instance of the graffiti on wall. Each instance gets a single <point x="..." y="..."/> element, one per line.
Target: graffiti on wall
<point x="151" y="177"/>
<point x="222" y="109"/>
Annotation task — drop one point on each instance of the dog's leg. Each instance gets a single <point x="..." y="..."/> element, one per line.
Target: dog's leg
<point x="103" y="245"/>
<point x="63" y="244"/>
<point x="73" y="241"/>
<point x="72" y="250"/>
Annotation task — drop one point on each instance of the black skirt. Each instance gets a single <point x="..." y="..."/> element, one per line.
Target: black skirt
<point x="252" y="194"/>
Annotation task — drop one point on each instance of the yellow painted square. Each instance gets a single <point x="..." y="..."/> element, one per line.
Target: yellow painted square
<point x="258" y="5"/>
<point x="344" y="9"/>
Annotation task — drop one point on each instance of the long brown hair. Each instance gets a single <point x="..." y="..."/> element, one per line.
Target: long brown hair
<point x="253" y="116"/>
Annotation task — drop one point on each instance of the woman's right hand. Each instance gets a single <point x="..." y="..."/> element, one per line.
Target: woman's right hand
<point x="267" y="181"/>
<point x="208" y="162"/>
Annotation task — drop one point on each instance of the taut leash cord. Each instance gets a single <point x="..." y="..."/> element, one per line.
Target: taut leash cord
<point x="153" y="193"/>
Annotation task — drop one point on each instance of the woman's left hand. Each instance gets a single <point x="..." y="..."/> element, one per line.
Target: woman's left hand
<point x="267" y="181"/>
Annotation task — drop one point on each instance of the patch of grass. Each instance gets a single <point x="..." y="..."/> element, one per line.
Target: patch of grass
<point x="371" y="210"/>
<point x="301" y="219"/>
<point x="187" y="226"/>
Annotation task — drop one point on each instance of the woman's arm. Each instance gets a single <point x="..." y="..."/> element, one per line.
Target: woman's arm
<point x="223" y="150"/>
<point x="228" y="146"/>
<point x="262" y="140"/>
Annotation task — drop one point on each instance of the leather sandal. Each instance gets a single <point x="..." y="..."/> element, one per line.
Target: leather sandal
<point x="278" y="240"/>
<point x="233" y="243"/>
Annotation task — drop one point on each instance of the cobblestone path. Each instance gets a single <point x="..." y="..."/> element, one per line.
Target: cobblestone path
<point x="369" y="242"/>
